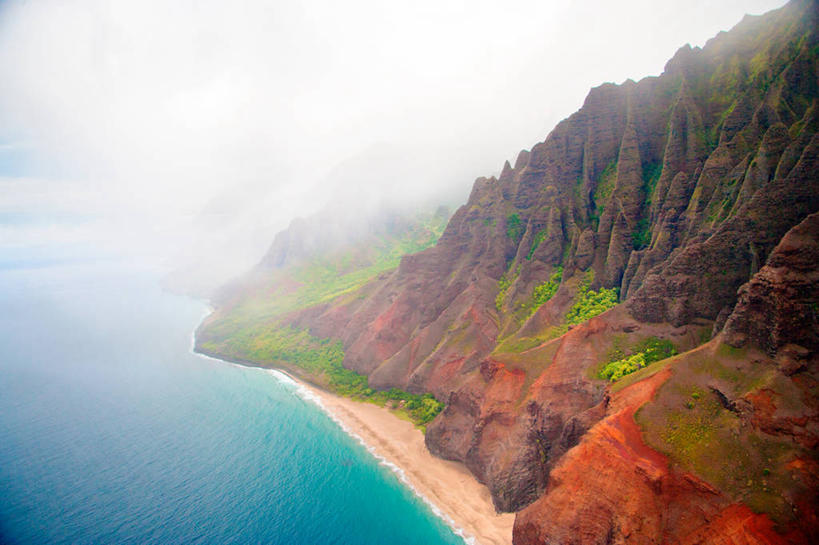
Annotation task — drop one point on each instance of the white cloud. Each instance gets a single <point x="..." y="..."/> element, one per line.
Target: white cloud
<point x="158" y="110"/>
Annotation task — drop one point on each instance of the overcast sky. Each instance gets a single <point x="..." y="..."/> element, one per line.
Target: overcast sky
<point x="183" y="126"/>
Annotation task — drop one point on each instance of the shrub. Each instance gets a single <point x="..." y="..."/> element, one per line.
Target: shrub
<point x="625" y="366"/>
<point x="543" y="292"/>
<point x="641" y="237"/>
<point x="504" y="283"/>
<point x="540" y="236"/>
<point x="297" y="347"/>
<point x="604" y="188"/>
<point x="514" y="227"/>
<point x="645" y="353"/>
<point x="503" y="287"/>
<point x="591" y="303"/>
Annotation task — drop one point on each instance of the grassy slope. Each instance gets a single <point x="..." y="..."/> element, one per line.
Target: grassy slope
<point x="586" y="304"/>
<point x="325" y="278"/>
<point x="254" y="328"/>
<point x="690" y="423"/>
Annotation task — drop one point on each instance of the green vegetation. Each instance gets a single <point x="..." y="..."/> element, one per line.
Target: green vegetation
<point x="695" y="419"/>
<point x="542" y="293"/>
<point x="513" y="345"/>
<point x="420" y="409"/>
<point x="645" y="353"/>
<point x="651" y="175"/>
<point x="514" y="227"/>
<point x="604" y="188"/>
<point x="322" y="358"/>
<point x="545" y="291"/>
<point x="641" y="236"/>
<point x="503" y="286"/>
<point x="540" y="236"/>
<point x="252" y="329"/>
<point x="325" y="278"/>
<point x="639" y="375"/>
<point x="616" y="369"/>
<point x="688" y="431"/>
<point x="690" y="425"/>
<point x="590" y="303"/>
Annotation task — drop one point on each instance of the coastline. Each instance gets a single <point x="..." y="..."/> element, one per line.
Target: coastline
<point x="448" y="487"/>
<point x="450" y="490"/>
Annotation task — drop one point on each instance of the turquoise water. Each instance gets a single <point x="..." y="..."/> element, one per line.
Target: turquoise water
<point x="112" y="431"/>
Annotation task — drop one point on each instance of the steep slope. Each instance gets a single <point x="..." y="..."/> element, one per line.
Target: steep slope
<point x="328" y="257"/>
<point x="736" y="431"/>
<point x="665" y="195"/>
<point x="316" y="260"/>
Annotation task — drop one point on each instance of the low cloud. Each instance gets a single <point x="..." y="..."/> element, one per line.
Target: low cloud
<point x="210" y="125"/>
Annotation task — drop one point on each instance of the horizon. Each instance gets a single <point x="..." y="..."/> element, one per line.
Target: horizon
<point x="270" y="275"/>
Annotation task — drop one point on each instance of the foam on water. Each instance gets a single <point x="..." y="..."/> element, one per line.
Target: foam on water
<point x="305" y="393"/>
<point x="113" y="432"/>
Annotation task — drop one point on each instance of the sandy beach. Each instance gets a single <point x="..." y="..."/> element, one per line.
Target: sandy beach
<point x="449" y="486"/>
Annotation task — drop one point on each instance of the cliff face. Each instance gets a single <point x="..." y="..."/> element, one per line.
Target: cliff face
<point x="676" y="191"/>
<point x="718" y="445"/>
<point x="778" y="310"/>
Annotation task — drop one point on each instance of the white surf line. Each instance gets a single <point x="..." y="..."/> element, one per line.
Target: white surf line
<point x="305" y="393"/>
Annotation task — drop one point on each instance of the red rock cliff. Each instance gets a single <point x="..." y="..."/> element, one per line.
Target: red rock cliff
<point x="677" y="190"/>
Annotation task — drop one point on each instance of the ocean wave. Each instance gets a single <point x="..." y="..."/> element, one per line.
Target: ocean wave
<point x="282" y="377"/>
<point x="307" y="394"/>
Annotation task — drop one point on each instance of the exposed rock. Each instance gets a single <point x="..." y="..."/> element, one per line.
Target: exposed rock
<point x="612" y="488"/>
<point x="778" y="306"/>
<point x="678" y="190"/>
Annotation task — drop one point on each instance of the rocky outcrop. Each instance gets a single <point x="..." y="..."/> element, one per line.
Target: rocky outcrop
<point x="704" y="276"/>
<point x="614" y="488"/>
<point x="778" y="309"/>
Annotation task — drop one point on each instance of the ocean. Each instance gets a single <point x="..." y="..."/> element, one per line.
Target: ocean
<point x="113" y="431"/>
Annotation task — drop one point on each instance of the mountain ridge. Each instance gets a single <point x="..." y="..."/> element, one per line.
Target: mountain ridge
<point x="667" y="196"/>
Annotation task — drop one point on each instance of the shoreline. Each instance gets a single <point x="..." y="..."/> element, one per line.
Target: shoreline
<point x="447" y="487"/>
<point x="450" y="490"/>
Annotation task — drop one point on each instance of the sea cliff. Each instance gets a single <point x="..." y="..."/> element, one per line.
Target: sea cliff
<point x="623" y="324"/>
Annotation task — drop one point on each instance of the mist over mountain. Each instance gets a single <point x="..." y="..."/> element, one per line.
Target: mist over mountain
<point x="621" y="325"/>
<point x="187" y="135"/>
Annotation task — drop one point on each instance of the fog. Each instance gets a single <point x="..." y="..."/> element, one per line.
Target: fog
<point x="192" y="131"/>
